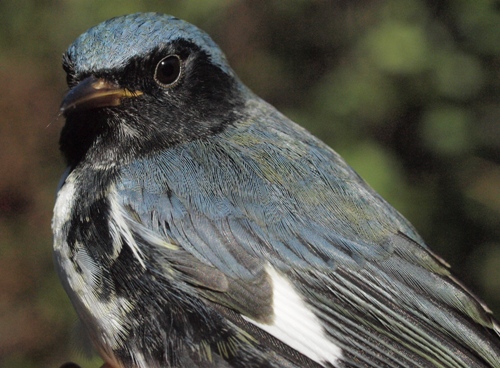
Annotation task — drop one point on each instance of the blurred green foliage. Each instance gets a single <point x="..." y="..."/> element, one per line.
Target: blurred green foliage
<point x="406" y="90"/>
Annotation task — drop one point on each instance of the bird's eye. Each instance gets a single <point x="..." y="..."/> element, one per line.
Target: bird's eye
<point x="168" y="71"/>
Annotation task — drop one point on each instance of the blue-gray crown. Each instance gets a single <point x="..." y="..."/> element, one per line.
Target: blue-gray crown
<point x="110" y="44"/>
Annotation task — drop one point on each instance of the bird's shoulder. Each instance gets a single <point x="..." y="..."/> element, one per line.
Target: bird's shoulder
<point x="273" y="187"/>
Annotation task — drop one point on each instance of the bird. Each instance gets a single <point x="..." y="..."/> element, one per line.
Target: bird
<point x="197" y="226"/>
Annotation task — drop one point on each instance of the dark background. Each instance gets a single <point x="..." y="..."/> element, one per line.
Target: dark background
<point x="406" y="90"/>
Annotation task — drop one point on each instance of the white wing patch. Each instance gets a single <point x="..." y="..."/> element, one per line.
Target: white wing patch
<point x="296" y="325"/>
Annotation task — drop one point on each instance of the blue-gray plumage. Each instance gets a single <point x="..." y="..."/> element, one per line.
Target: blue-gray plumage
<point x="198" y="226"/>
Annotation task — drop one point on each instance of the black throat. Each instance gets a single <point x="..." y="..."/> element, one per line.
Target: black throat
<point x="204" y="102"/>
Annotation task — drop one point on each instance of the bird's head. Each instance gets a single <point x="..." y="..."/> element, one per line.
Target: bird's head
<point x="144" y="82"/>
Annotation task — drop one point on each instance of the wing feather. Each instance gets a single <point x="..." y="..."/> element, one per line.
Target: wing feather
<point x="256" y="195"/>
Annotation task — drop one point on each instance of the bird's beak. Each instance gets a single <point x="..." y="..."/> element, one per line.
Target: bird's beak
<point x="94" y="93"/>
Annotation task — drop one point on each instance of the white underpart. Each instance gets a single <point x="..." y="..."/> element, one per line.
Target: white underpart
<point x="64" y="204"/>
<point x="108" y="316"/>
<point x="98" y="315"/>
<point x="296" y="325"/>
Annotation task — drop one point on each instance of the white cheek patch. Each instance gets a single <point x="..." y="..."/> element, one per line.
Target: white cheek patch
<point x="296" y="325"/>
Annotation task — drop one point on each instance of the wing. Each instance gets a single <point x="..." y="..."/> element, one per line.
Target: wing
<point x="274" y="226"/>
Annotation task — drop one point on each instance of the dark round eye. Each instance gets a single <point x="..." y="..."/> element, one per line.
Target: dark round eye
<point x="168" y="70"/>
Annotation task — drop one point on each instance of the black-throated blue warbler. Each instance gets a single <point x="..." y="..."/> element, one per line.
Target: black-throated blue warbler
<point x="196" y="226"/>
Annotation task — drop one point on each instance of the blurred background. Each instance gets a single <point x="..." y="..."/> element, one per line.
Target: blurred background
<point x="406" y="90"/>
